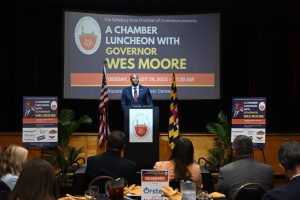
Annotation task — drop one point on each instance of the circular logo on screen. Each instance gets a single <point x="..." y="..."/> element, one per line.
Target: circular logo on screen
<point x="53" y="105"/>
<point x="262" y="106"/>
<point x="87" y="35"/>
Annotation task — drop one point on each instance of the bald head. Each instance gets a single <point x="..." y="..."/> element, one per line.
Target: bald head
<point x="134" y="79"/>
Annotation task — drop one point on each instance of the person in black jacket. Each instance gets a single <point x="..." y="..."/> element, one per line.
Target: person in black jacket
<point x="110" y="163"/>
<point x="289" y="159"/>
<point x="29" y="111"/>
<point x="238" y="111"/>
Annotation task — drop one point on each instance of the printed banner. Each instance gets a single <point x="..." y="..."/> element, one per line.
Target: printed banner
<point x="141" y="125"/>
<point x="40" y="121"/>
<point x="152" y="181"/>
<point x="249" y="118"/>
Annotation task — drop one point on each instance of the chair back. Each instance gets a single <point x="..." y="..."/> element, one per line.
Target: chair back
<point x="4" y="191"/>
<point x="100" y="182"/>
<point x="249" y="191"/>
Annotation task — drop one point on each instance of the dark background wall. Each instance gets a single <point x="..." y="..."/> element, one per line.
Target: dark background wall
<point x="260" y="56"/>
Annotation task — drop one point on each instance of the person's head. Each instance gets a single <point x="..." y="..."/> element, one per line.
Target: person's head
<point x="29" y="105"/>
<point x="12" y="159"/>
<point x="242" y="146"/>
<point x="134" y="79"/>
<point x="236" y="106"/>
<point x="36" y="181"/>
<point x="116" y="140"/>
<point x="182" y="155"/>
<point x="289" y="157"/>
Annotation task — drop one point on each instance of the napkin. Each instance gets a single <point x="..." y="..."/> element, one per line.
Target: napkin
<point x="171" y="193"/>
<point x="66" y="198"/>
<point x="70" y="197"/>
<point x="133" y="190"/>
<point x="216" y="195"/>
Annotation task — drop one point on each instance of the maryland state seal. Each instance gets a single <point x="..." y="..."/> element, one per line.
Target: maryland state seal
<point x="87" y="35"/>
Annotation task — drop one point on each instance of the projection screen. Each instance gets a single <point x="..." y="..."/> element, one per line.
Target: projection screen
<point x="150" y="46"/>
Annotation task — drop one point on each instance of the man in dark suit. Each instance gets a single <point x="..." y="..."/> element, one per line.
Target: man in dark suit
<point x="111" y="163"/>
<point x="243" y="170"/>
<point x="238" y="112"/>
<point x="289" y="159"/>
<point x="136" y="95"/>
<point x="29" y="109"/>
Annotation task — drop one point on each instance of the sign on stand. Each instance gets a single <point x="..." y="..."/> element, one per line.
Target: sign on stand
<point x="40" y="118"/>
<point x="249" y="118"/>
<point x="152" y="181"/>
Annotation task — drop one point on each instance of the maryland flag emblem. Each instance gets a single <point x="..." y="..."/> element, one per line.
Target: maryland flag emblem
<point x="173" y="120"/>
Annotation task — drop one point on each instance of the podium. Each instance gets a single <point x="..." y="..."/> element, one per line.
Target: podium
<point x="141" y="126"/>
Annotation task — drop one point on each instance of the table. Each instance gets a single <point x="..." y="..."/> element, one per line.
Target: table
<point x="78" y="185"/>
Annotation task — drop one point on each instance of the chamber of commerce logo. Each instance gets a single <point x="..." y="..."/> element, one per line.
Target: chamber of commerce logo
<point x="87" y="35"/>
<point x="262" y="106"/>
<point x="141" y="125"/>
<point x="53" y="105"/>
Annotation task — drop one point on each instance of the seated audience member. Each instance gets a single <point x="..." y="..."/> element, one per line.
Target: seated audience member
<point x="37" y="181"/>
<point x="11" y="163"/>
<point x="181" y="164"/>
<point x="245" y="169"/>
<point x="289" y="161"/>
<point x="110" y="163"/>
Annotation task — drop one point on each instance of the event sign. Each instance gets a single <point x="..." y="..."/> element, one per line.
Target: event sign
<point x="148" y="45"/>
<point x="40" y="121"/>
<point x="152" y="181"/>
<point x="140" y="125"/>
<point x="249" y="118"/>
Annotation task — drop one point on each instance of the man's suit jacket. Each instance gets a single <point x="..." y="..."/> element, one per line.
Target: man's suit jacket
<point x="237" y="173"/>
<point x="239" y="115"/>
<point x="289" y="191"/>
<point x="110" y="164"/>
<point x="144" y="97"/>
<point x="31" y="113"/>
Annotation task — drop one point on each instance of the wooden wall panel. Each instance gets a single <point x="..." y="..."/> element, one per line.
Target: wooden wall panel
<point x="273" y="143"/>
<point x="201" y="142"/>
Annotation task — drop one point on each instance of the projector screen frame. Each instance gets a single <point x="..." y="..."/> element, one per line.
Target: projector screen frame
<point x="147" y="15"/>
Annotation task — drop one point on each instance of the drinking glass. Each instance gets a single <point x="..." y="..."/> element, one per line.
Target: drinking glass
<point x="90" y="194"/>
<point x="188" y="190"/>
<point x="115" y="188"/>
<point x="95" y="189"/>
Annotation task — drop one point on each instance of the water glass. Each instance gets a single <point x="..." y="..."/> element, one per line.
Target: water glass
<point x="188" y="190"/>
<point x="95" y="189"/>
<point x="90" y="195"/>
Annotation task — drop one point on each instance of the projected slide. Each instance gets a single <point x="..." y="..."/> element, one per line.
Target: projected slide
<point x="147" y="45"/>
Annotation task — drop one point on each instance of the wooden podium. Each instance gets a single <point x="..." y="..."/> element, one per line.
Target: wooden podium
<point x="141" y="126"/>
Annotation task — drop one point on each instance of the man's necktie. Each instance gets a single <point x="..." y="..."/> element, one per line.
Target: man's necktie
<point x="135" y="95"/>
<point x="236" y="113"/>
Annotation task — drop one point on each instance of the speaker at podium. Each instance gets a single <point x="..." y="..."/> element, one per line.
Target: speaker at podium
<point x="141" y="126"/>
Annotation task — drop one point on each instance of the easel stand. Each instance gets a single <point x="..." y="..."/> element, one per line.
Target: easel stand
<point x="262" y="152"/>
